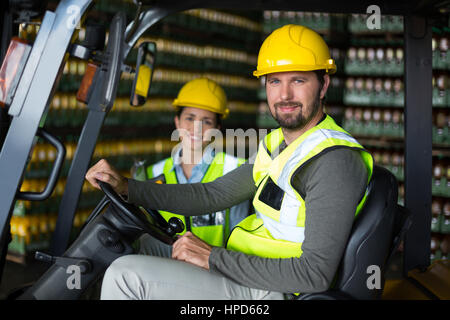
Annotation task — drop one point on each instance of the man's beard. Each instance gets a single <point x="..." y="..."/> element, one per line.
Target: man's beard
<point x="298" y="121"/>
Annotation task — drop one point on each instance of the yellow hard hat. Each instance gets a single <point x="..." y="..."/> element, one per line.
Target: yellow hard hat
<point x="294" y="48"/>
<point x="203" y="93"/>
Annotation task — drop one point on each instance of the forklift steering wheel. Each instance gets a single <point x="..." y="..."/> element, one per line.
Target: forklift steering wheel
<point x="152" y="223"/>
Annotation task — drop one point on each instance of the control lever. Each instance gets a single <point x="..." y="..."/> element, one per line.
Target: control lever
<point x="175" y="225"/>
<point x="171" y="227"/>
<point x="84" y="264"/>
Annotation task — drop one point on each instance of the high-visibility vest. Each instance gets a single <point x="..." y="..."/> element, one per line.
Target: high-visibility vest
<point x="277" y="228"/>
<point x="213" y="228"/>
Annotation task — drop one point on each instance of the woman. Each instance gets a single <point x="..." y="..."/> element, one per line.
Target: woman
<point x="200" y="106"/>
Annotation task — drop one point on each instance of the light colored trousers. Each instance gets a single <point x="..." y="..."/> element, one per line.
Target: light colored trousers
<point x="153" y="275"/>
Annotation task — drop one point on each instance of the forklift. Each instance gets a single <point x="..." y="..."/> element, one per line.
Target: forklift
<point x="29" y="77"/>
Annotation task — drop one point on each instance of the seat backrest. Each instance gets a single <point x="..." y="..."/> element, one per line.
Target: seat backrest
<point x="370" y="241"/>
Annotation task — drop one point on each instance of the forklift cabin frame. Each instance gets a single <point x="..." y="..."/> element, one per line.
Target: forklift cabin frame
<point x="49" y="53"/>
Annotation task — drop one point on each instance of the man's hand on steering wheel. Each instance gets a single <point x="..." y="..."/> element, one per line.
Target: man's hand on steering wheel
<point x="105" y="172"/>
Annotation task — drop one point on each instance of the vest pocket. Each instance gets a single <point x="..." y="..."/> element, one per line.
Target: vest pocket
<point x="271" y="195"/>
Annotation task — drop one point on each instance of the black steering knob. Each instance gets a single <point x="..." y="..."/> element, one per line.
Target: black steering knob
<point x="175" y="225"/>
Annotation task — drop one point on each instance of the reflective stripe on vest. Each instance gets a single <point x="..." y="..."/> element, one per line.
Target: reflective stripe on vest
<point x="279" y="207"/>
<point x="212" y="228"/>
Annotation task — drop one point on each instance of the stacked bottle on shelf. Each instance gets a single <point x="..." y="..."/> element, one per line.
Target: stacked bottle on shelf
<point x="357" y="24"/>
<point x="374" y="100"/>
<point x="440" y="206"/>
<point x="440" y="222"/>
<point x="441" y="87"/>
<point x="441" y="127"/>
<point x="207" y="58"/>
<point x="373" y="96"/>
<point x="374" y="122"/>
<point x="441" y="67"/>
<point x="374" y="92"/>
<point x="367" y="91"/>
<point x="440" y="246"/>
<point x="440" y="46"/>
<point x="180" y="62"/>
<point x="224" y="24"/>
<point x="66" y="111"/>
<point x="375" y="61"/>
<point x="33" y="232"/>
<point x="441" y="177"/>
<point x="319" y="21"/>
<point x="393" y="160"/>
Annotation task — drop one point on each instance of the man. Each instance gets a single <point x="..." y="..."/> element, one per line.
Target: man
<point x="308" y="181"/>
<point x="200" y="106"/>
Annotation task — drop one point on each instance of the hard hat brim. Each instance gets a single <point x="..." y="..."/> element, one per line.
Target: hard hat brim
<point x="177" y="104"/>
<point x="330" y="69"/>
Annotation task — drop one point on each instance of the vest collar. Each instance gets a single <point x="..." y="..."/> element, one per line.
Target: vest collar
<point x="300" y="150"/>
<point x="208" y="156"/>
<point x="278" y="144"/>
<point x="273" y="145"/>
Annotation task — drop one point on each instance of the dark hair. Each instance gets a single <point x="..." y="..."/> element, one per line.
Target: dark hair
<point x="218" y="116"/>
<point x="320" y="74"/>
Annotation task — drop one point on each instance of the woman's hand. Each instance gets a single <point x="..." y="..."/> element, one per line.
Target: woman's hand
<point x="105" y="172"/>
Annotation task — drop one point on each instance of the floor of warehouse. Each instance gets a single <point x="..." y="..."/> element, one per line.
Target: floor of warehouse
<point x="16" y="274"/>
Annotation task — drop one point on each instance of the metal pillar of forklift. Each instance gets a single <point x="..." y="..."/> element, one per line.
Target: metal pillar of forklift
<point x="5" y="37"/>
<point x="418" y="140"/>
<point x="78" y="168"/>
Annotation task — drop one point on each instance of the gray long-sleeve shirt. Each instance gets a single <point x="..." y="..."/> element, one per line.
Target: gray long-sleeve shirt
<point x="332" y="185"/>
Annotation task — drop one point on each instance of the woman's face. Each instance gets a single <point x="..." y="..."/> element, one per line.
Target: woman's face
<point x="193" y="124"/>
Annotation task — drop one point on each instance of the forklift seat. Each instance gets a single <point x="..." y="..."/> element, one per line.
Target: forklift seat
<point x="375" y="236"/>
